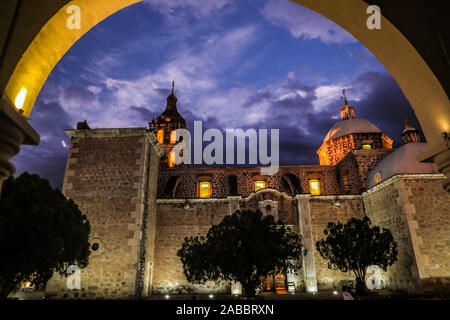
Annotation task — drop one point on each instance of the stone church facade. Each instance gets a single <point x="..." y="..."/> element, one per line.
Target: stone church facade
<point x="141" y="206"/>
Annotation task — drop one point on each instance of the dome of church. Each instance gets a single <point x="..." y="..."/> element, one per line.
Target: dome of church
<point x="401" y="161"/>
<point x="348" y="126"/>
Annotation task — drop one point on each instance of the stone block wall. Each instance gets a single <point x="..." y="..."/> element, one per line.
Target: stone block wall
<point x="323" y="209"/>
<point x="356" y="165"/>
<point x="177" y="219"/>
<point x="385" y="207"/>
<point x="428" y="210"/>
<point x="106" y="177"/>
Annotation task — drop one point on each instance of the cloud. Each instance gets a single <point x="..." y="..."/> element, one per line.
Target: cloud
<point x="79" y="94"/>
<point x="49" y="158"/>
<point x="196" y="8"/>
<point x="304" y="23"/>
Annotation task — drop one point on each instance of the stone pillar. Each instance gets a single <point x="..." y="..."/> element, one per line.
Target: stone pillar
<point x="234" y="203"/>
<point x="14" y="131"/>
<point x="309" y="267"/>
<point x="440" y="155"/>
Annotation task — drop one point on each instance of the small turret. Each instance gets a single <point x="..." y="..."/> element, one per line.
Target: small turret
<point x="410" y="134"/>
<point x="347" y="111"/>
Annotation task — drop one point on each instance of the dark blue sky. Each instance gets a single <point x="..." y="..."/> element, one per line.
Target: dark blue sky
<point x="236" y="64"/>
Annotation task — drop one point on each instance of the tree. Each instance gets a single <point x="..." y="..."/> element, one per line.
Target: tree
<point x="356" y="245"/>
<point x="244" y="247"/>
<point x="41" y="232"/>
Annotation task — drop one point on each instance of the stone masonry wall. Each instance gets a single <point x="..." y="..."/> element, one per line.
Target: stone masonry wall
<point x="188" y="180"/>
<point x="429" y="212"/>
<point x="385" y="207"/>
<point x="105" y="177"/>
<point x="331" y="209"/>
<point x="177" y="219"/>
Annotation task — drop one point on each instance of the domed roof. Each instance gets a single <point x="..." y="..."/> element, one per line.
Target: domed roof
<point x="401" y="161"/>
<point x="348" y="126"/>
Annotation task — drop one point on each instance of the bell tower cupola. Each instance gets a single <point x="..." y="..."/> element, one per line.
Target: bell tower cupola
<point x="410" y="134"/>
<point x="164" y="127"/>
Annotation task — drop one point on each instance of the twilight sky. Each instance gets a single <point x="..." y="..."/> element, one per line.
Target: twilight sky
<point x="236" y="64"/>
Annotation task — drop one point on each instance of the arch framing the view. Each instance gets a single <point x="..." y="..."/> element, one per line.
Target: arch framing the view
<point x="417" y="81"/>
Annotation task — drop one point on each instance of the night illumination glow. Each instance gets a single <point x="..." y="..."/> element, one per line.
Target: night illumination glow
<point x="20" y="98"/>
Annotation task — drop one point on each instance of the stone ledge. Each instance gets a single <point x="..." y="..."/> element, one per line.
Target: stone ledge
<point x="436" y="176"/>
<point x="192" y="200"/>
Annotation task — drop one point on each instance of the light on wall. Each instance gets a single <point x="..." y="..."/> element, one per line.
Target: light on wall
<point x="20" y="98"/>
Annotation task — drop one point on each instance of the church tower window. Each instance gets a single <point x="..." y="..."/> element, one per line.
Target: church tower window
<point x="172" y="159"/>
<point x="314" y="187"/>
<point x="367" y="146"/>
<point x="173" y="136"/>
<point x="160" y="136"/>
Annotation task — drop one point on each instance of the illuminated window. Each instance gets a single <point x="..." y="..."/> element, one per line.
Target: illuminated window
<point x="167" y="119"/>
<point x="173" y="136"/>
<point x="172" y="159"/>
<point x="204" y="189"/>
<point x="378" y="178"/>
<point x="367" y="146"/>
<point x="323" y="158"/>
<point x="260" y="185"/>
<point x="160" y="136"/>
<point x="314" y="187"/>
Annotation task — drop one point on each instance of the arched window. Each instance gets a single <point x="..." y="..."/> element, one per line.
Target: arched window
<point x="314" y="187"/>
<point x="367" y="146"/>
<point x="378" y="178"/>
<point x="173" y="136"/>
<point x="232" y="185"/>
<point x="291" y="184"/>
<point x="172" y="159"/>
<point x="160" y="136"/>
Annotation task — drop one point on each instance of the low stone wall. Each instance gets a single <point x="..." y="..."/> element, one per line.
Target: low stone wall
<point x="177" y="219"/>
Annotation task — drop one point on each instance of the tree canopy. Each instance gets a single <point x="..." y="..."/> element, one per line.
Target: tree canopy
<point x="244" y="247"/>
<point x="356" y="245"/>
<point x="41" y="232"/>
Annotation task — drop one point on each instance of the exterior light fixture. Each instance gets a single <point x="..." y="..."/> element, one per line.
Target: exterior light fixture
<point x="167" y="296"/>
<point x="335" y="292"/>
<point x="211" y="296"/>
<point x="20" y="98"/>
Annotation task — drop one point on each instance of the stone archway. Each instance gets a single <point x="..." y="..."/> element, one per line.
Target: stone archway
<point x="42" y="43"/>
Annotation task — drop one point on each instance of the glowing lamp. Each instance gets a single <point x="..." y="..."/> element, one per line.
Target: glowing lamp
<point x="167" y="296"/>
<point x="211" y="296"/>
<point x="20" y="98"/>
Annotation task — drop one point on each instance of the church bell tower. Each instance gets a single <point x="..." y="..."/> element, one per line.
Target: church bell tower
<point x="164" y="128"/>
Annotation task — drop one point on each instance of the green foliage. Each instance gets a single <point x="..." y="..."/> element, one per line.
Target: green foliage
<point x="41" y="232"/>
<point x="356" y="245"/>
<point x="244" y="247"/>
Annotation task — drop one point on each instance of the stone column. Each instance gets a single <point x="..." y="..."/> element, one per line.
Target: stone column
<point x="309" y="267"/>
<point x="14" y="131"/>
<point x="234" y="203"/>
